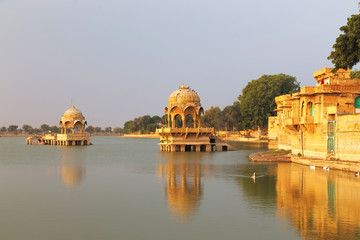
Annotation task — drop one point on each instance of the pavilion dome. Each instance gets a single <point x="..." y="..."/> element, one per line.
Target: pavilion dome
<point x="184" y="95"/>
<point x="72" y="114"/>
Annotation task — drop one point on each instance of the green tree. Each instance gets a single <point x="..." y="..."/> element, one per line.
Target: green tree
<point x="108" y="129"/>
<point x="54" y="129"/>
<point x="27" y="128"/>
<point x="98" y="129"/>
<point x="257" y="101"/>
<point x="231" y="116"/>
<point x="128" y="127"/>
<point x="90" y="129"/>
<point x="44" y="127"/>
<point x="164" y="120"/>
<point x="213" y="118"/>
<point x="118" y="130"/>
<point x="346" y="53"/>
<point x="355" y="74"/>
<point x="12" y="128"/>
<point x="3" y="129"/>
<point x="36" y="131"/>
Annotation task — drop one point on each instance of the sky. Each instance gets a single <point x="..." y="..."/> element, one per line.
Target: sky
<point x="119" y="59"/>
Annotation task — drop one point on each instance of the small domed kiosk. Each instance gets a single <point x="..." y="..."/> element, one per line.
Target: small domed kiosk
<point x="184" y="132"/>
<point x="72" y="125"/>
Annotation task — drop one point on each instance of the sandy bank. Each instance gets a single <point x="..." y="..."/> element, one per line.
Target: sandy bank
<point x="141" y="136"/>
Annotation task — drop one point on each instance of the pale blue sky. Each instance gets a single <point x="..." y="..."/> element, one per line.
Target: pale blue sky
<point x="120" y="59"/>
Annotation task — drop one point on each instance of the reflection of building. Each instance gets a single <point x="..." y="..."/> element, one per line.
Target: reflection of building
<point x="72" y="126"/>
<point x="318" y="204"/>
<point x="183" y="187"/>
<point x="72" y="170"/>
<point x="71" y="174"/>
<point x="184" y="132"/>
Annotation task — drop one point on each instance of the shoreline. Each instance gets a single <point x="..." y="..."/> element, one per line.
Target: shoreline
<point x="267" y="156"/>
<point x="140" y="136"/>
<point x="307" y="161"/>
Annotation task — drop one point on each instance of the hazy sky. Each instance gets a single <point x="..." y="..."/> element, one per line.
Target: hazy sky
<point x="120" y="59"/>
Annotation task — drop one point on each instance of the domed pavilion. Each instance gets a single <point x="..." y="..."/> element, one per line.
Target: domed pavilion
<point x="183" y="132"/>
<point x="72" y="125"/>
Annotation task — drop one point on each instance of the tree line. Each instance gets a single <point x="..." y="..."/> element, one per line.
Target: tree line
<point x="45" y="128"/>
<point x="144" y="124"/>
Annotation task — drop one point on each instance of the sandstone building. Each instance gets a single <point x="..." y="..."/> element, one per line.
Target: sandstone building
<point x="72" y="126"/>
<point x="321" y="121"/>
<point x="184" y="132"/>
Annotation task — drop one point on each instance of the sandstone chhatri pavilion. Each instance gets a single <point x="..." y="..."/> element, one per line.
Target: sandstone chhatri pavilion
<point x="184" y="132"/>
<point x="72" y="126"/>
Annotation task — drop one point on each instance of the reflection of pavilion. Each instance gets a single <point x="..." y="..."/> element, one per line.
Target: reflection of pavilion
<point x="184" y="132"/>
<point x="320" y="205"/>
<point x="183" y="187"/>
<point x="72" y="171"/>
<point x="72" y="126"/>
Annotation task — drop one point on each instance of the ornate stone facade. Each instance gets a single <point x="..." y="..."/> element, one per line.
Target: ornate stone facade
<point x="321" y="121"/>
<point x="72" y="126"/>
<point x="184" y="132"/>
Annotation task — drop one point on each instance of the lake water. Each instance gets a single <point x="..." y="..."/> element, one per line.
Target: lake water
<point x="121" y="188"/>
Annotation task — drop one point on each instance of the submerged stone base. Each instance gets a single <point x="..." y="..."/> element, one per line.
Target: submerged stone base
<point x="81" y="139"/>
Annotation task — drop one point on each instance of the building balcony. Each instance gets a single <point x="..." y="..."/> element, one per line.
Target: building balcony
<point x="185" y="130"/>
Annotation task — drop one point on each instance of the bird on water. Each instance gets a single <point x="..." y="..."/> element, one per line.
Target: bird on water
<point x="253" y="177"/>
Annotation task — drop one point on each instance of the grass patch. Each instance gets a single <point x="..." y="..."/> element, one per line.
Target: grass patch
<point x="280" y="151"/>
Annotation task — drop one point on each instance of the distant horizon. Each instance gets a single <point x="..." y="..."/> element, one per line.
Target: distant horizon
<point x="118" y="60"/>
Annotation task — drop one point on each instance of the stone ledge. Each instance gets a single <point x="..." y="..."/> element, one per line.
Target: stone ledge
<point x="269" y="157"/>
<point x="331" y="164"/>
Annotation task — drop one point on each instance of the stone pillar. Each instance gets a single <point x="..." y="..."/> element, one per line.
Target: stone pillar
<point x="208" y="148"/>
<point x="182" y="148"/>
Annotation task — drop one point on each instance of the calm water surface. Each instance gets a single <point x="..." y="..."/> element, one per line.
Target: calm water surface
<point x="126" y="189"/>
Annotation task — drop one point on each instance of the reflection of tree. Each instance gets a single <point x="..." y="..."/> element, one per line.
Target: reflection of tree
<point x="72" y="171"/>
<point x="183" y="187"/>
<point x="320" y="205"/>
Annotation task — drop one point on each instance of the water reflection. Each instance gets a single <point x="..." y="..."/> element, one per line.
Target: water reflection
<point x="72" y="170"/>
<point x="184" y="188"/>
<point x="261" y="194"/>
<point x="319" y="204"/>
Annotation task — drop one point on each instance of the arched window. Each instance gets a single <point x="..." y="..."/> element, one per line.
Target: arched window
<point x="178" y="121"/>
<point x="310" y="109"/>
<point x="302" y="109"/>
<point x="189" y="121"/>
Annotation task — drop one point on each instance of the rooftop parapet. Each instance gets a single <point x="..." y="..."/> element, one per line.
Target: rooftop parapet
<point x="185" y="130"/>
<point x="327" y="76"/>
<point x="307" y="90"/>
<point x="283" y="98"/>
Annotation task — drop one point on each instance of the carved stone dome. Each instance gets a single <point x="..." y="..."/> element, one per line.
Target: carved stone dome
<point x="184" y="95"/>
<point x="72" y="114"/>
